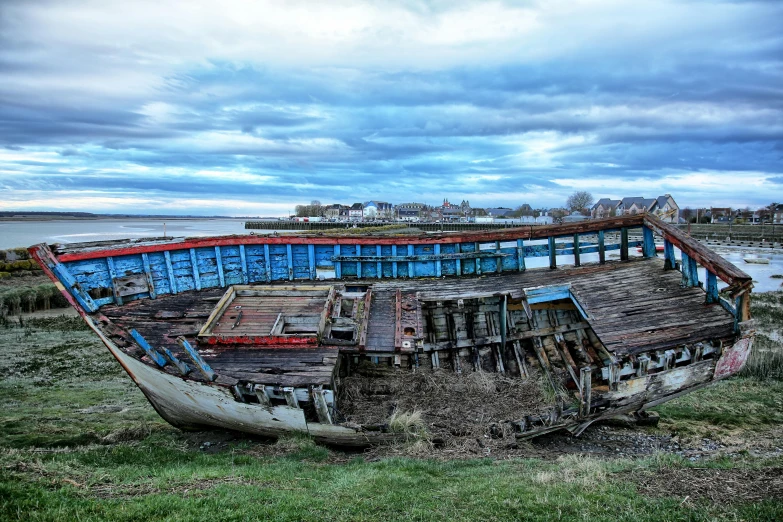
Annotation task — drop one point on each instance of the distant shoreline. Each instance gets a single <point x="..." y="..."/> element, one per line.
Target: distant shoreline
<point x="65" y="217"/>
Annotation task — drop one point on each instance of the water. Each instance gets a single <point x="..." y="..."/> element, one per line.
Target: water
<point x="25" y="233"/>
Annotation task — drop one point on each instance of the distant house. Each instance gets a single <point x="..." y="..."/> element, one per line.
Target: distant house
<point x="777" y="214"/>
<point x="356" y="212"/>
<point x="499" y="212"/>
<point x="663" y="206"/>
<point x="409" y="211"/>
<point x="574" y="217"/>
<point x="605" y="207"/>
<point x="377" y="210"/>
<point x="666" y="209"/>
<point x="334" y="211"/>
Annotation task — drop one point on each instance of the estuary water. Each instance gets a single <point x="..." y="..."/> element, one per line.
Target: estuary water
<point x="25" y="233"/>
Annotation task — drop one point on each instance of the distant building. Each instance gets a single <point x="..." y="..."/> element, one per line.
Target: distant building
<point x="334" y="211"/>
<point x="605" y="207"/>
<point x="777" y="214"/>
<point x="377" y="210"/>
<point x="409" y="211"/>
<point x="500" y="212"/>
<point x="666" y="209"/>
<point x="356" y="212"/>
<point x="663" y="206"/>
<point x="574" y="217"/>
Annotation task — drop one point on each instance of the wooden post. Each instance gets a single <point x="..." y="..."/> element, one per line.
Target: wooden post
<point x="290" y="258"/>
<point x="219" y="264"/>
<point x="624" y="244"/>
<point x="338" y="264"/>
<point x="648" y="247"/>
<point x="170" y="270"/>
<point x="477" y="249"/>
<point x="113" y="275"/>
<point x="458" y="262"/>
<point x="311" y="260"/>
<point x="379" y="267"/>
<point x="267" y="263"/>
<point x="197" y="359"/>
<point x="194" y="262"/>
<point x="394" y="264"/>
<point x="690" y="274"/>
<point x="552" y="253"/>
<point x="411" y="268"/>
<point x="577" y="262"/>
<point x="358" y="263"/>
<point x="586" y="379"/>
<point x="438" y="263"/>
<point x="503" y="326"/>
<point x="669" y="261"/>
<point x="712" y="288"/>
<point x="321" y="406"/>
<point x="145" y="259"/>
<point x="521" y="254"/>
<point x="243" y="260"/>
<point x="149" y="350"/>
<point x="601" y="248"/>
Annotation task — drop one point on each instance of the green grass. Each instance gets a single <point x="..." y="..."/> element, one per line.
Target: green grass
<point x="78" y="441"/>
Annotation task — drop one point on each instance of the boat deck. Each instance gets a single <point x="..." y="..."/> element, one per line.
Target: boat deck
<point x="631" y="306"/>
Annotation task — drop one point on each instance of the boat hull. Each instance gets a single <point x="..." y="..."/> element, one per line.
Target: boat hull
<point x="189" y="404"/>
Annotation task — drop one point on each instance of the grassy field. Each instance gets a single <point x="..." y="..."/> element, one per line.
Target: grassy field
<point x="78" y="441"/>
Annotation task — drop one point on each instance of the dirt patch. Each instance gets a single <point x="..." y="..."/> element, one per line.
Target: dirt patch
<point x="472" y="411"/>
<point x="720" y="486"/>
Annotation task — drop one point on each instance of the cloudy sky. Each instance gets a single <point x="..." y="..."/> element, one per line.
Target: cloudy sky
<point x="251" y="107"/>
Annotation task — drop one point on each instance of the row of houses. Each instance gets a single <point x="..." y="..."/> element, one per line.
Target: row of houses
<point x="771" y="214"/>
<point x="663" y="206"/>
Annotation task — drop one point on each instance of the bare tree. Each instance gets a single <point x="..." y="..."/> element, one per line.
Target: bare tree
<point x="579" y="201"/>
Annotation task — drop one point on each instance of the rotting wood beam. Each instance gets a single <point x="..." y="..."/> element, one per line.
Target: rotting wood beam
<point x="714" y="263"/>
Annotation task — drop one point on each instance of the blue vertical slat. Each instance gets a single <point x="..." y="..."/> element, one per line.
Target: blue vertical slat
<point x="337" y="264"/>
<point x="669" y="263"/>
<point x="113" y="275"/>
<point x="552" y="253"/>
<point x="69" y="282"/>
<point x="219" y="263"/>
<point x="477" y="249"/>
<point x="149" y="350"/>
<point x="311" y="260"/>
<point x="170" y="269"/>
<point x="601" y="248"/>
<point x="521" y="254"/>
<point x="648" y="247"/>
<point x="438" y="263"/>
<point x="358" y="263"/>
<point x="290" y="257"/>
<point x="394" y="265"/>
<point x="712" y="288"/>
<point x="267" y="264"/>
<point x="577" y="260"/>
<point x="243" y="260"/>
<point x="380" y="267"/>
<point x="145" y="259"/>
<point x="410" y="263"/>
<point x="194" y="262"/>
<point x="459" y="261"/>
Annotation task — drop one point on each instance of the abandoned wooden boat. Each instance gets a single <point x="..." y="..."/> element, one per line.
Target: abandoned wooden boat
<point x="259" y="333"/>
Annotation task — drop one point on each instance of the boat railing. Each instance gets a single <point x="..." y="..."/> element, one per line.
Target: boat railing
<point x="111" y="273"/>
